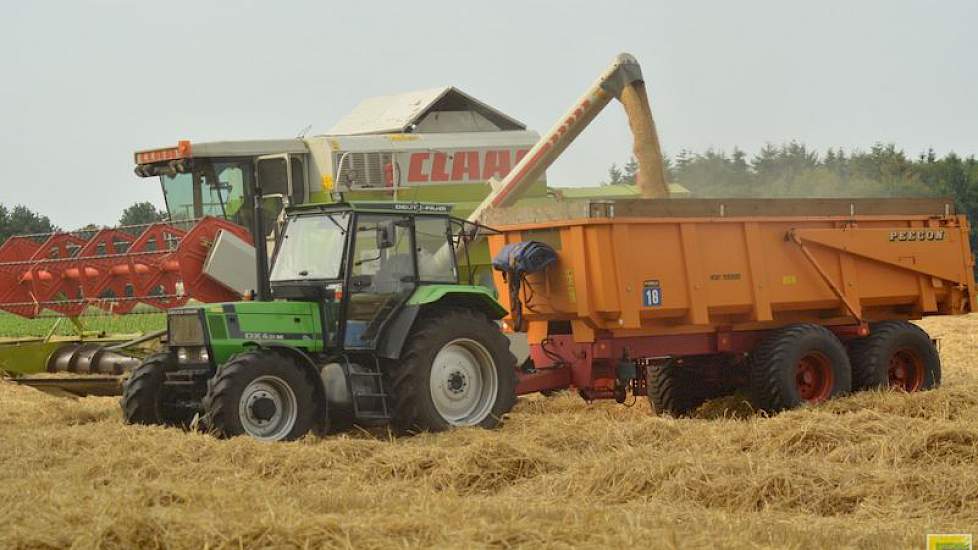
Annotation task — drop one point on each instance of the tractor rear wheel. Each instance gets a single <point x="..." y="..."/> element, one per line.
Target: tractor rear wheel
<point x="262" y="394"/>
<point x="798" y="364"/>
<point x="456" y="370"/>
<point x="143" y="399"/>
<point x="896" y="354"/>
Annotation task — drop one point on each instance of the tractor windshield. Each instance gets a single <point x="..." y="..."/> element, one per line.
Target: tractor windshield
<point x="311" y="248"/>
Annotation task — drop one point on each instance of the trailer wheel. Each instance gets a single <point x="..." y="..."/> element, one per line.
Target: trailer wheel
<point x="797" y="364"/>
<point x="456" y="370"/>
<point x="143" y="400"/>
<point x="896" y="354"/>
<point x="262" y="394"/>
<point x="674" y="389"/>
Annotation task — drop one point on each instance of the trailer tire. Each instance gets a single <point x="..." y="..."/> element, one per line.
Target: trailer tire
<point x="476" y="355"/>
<point x="674" y="389"/>
<point x="256" y="387"/>
<point x="798" y="364"/>
<point x="142" y="399"/>
<point x="896" y="354"/>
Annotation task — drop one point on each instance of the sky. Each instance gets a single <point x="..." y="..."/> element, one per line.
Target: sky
<point x="83" y="84"/>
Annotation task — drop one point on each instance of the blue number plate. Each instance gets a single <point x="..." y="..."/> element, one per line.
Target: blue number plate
<point x="651" y="294"/>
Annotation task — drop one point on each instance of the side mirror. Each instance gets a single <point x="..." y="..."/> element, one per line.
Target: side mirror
<point x="385" y="234"/>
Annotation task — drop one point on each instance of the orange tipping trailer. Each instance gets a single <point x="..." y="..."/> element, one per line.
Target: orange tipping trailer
<point x="684" y="299"/>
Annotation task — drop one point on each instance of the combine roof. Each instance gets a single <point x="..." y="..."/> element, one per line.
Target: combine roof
<point x="445" y="109"/>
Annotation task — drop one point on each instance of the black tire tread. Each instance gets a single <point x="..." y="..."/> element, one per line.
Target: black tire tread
<point x="220" y="406"/>
<point x="140" y="392"/>
<point x="768" y="358"/>
<point x="674" y="389"/>
<point x="865" y="353"/>
<point x="142" y="399"/>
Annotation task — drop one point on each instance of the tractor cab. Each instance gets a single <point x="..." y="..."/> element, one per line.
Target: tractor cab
<point x="363" y="262"/>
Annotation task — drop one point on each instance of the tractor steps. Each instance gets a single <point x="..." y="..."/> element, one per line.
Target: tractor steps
<point x="372" y="404"/>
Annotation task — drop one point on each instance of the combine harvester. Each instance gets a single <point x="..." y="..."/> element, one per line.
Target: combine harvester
<point x="434" y="145"/>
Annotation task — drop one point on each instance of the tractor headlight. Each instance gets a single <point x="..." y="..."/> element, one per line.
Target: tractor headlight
<point x="195" y="354"/>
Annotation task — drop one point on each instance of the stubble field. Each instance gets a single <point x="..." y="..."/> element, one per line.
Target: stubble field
<point x="874" y="470"/>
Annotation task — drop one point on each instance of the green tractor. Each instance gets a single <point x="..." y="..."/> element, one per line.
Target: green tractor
<point x="360" y="319"/>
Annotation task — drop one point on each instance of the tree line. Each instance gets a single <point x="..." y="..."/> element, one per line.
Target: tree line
<point x="788" y="170"/>
<point x="795" y="170"/>
<point x="21" y="220"/>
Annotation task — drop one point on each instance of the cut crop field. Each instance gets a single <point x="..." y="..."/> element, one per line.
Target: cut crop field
<point x="12" y="326"/>
<point x="873" y="470"/>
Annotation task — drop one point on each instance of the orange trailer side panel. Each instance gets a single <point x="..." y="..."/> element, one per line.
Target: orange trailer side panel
<point x="633" y="276"/>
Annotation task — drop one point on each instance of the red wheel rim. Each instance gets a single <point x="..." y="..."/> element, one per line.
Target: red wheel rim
<point x="813" y="377"/>
<point x="906" y="370"/>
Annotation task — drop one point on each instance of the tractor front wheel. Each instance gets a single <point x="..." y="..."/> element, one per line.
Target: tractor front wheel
<point x="456" y="370"/>
<point x="262" y="394"/>
<point x="143" y="400"/>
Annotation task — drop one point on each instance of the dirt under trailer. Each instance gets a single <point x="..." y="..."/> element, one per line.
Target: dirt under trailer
<point x="683" y="300"/>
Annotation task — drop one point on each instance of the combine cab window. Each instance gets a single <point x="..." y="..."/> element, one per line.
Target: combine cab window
<point x="298" y="182"/>
<point x="178" y="190"/>
<point x="224" y="195"/>
<point x="274" y="178"/>
<point x="213" y="189"/>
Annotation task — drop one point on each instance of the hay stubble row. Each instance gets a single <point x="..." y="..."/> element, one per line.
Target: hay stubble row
<point x="874" y="470"/>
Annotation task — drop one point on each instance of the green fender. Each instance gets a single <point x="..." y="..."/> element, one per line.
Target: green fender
<point x="397" y="330"/>
<point x="472" y="295"/>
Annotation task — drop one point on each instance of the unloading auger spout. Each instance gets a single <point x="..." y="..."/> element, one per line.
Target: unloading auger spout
<point x="622" y="80"/>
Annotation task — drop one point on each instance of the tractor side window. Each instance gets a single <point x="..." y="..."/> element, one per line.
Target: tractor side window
<point x="382" y="276"/>
<point x="383" y="252"/>
<point x="436" y="255"/>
